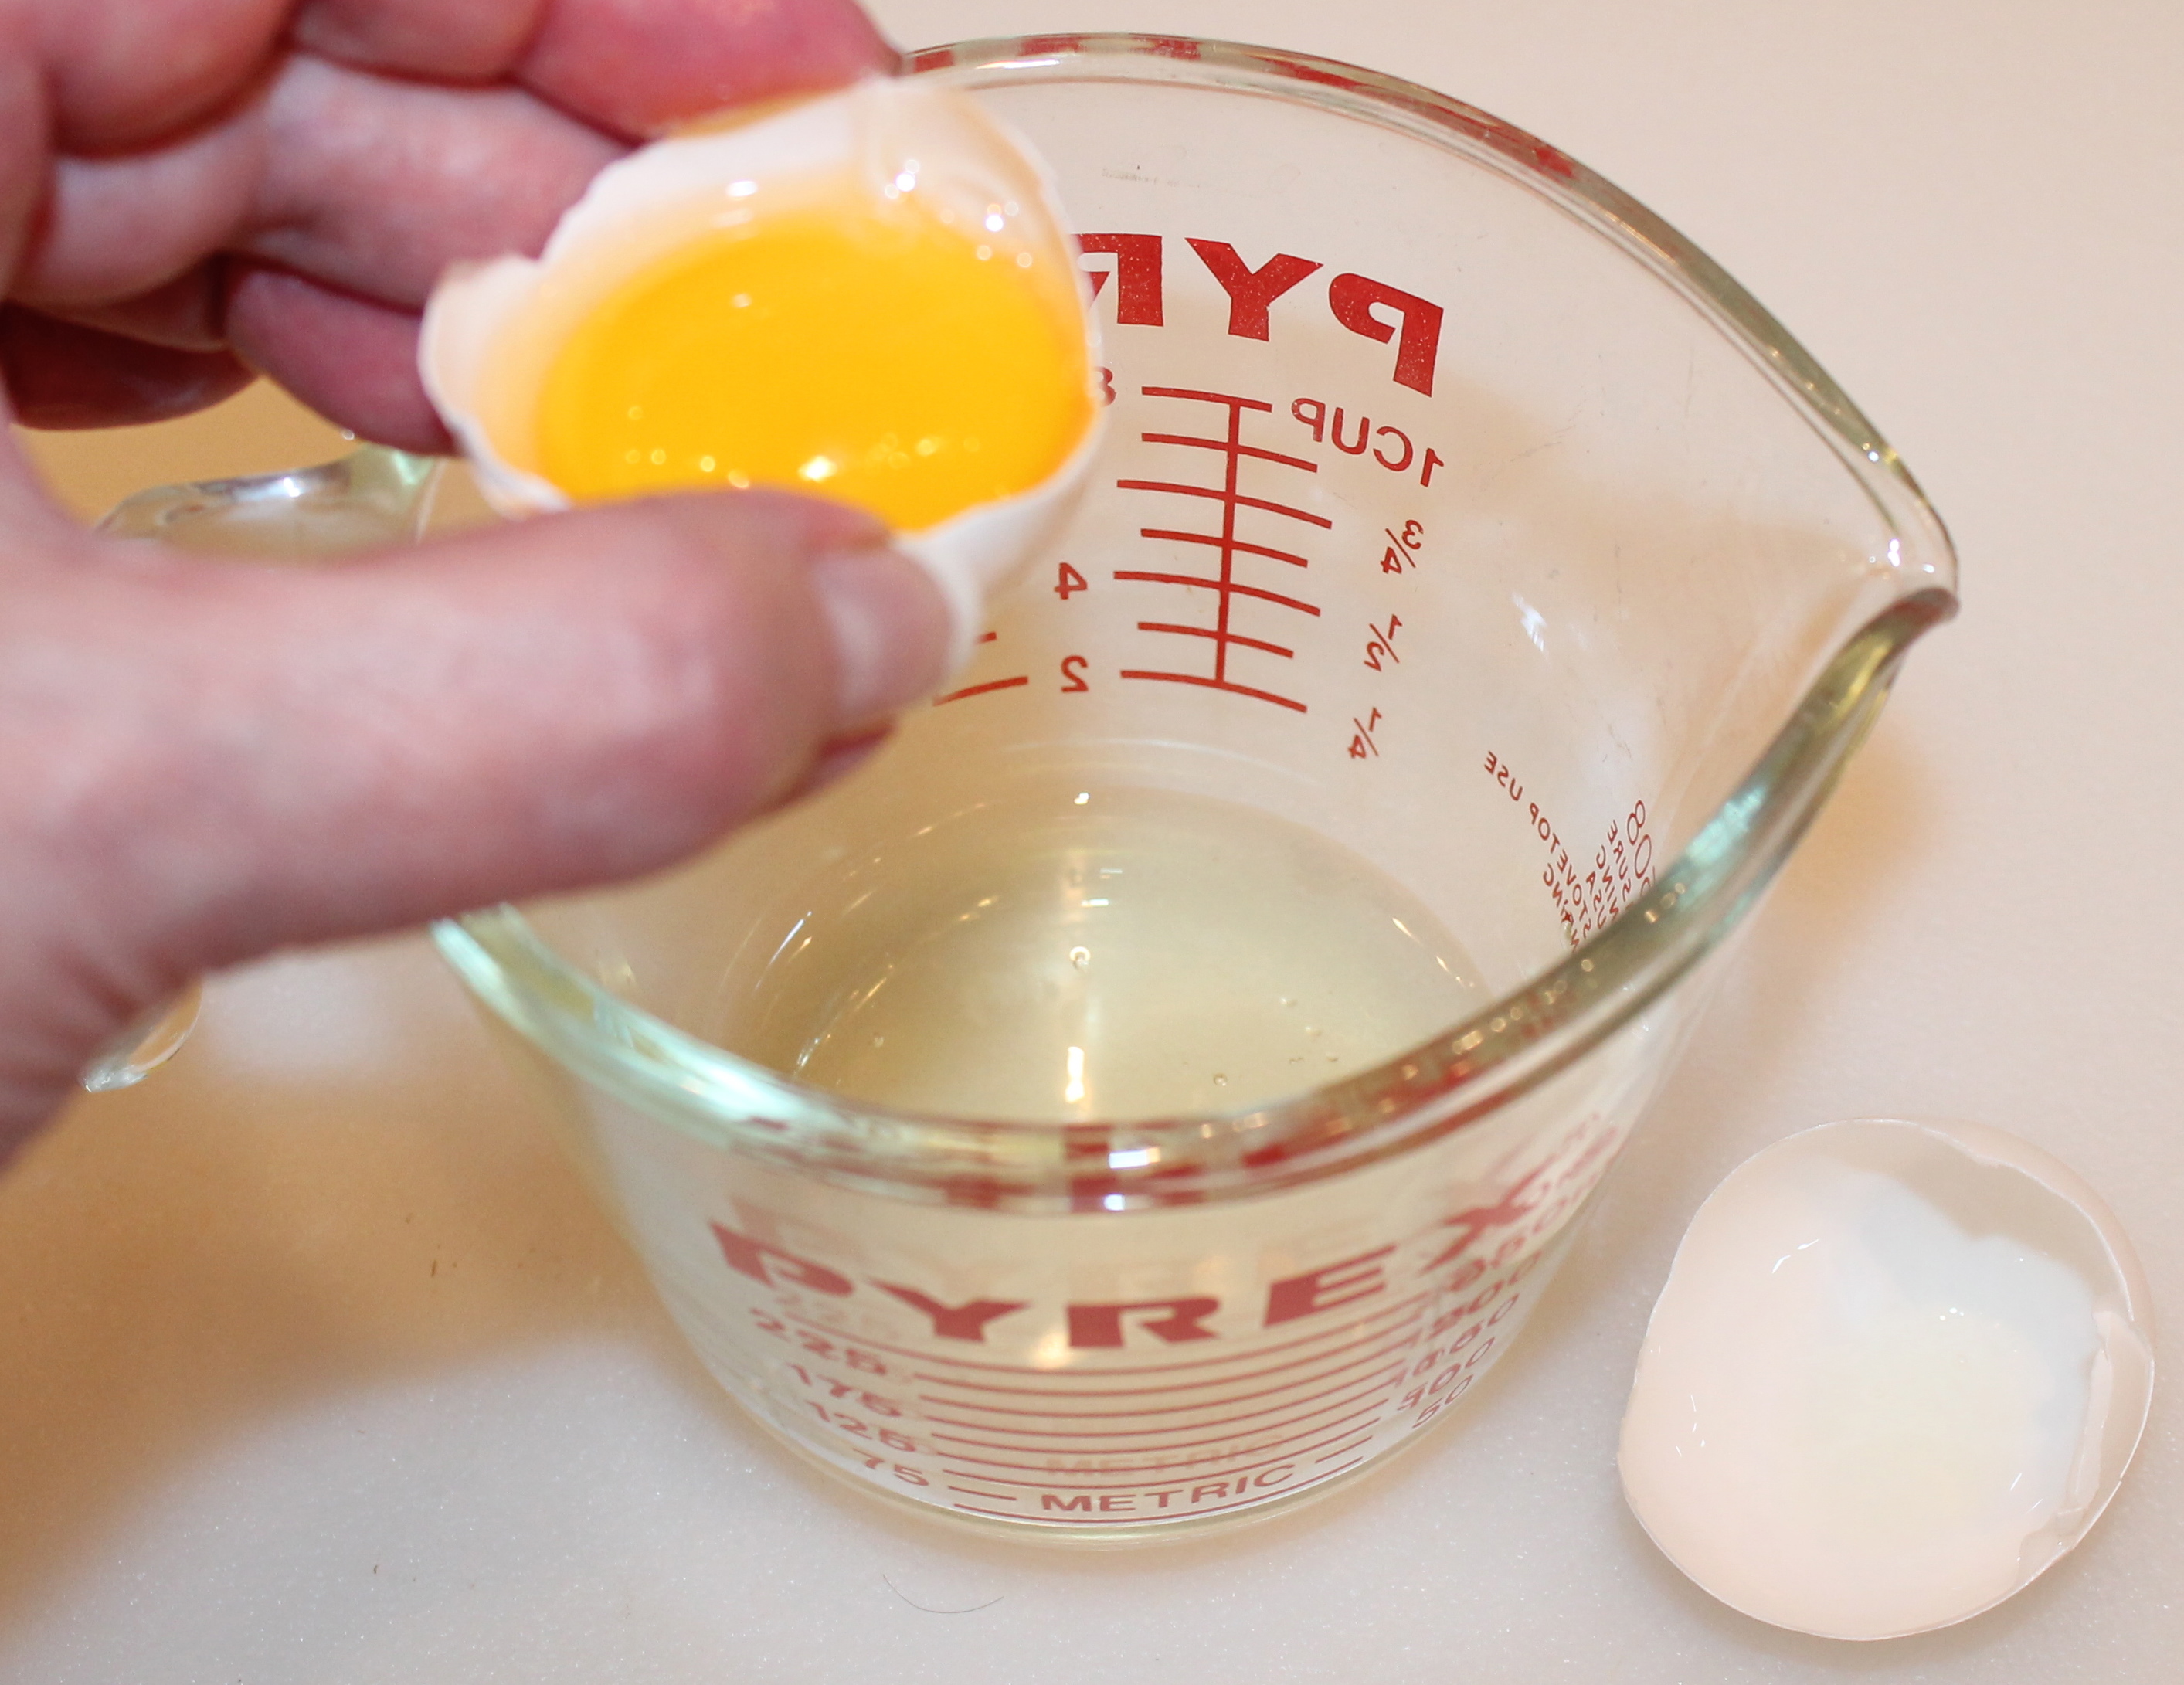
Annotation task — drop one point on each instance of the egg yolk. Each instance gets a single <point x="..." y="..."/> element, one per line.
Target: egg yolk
<point x="872" y="353"/>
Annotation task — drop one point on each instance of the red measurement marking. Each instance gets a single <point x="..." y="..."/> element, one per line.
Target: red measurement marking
<point x="1402" y="1339"/>
<point x="1402" y="552"/>
<point x="1098" y="1454"/>
<point x="1251" y="450"/>
<point x="1383" y="1388"/>
<point x="1215" y="584"/>
<point x="981" y="689"/>
<point x="1238" y="545"/>
<point x="998" y="1497"/>
<point x="1221" y="635"/>
<point x="1216" y="682"/>
<point x="1252" y="1355"/>
<point x="1229" y="498"/>
<point x="1409" y="1310"/>
<point x="1165" y="1427"/>
<point x="1125" y="1519"/>
<point x="1062" y="1478"/>
<point x="1235" y="638"/>
<point x="1210" y="1462"/>
<point x="1219" y="1462"/>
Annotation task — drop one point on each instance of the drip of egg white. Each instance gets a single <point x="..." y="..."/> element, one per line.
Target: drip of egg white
<point x="1897" y="1370"/>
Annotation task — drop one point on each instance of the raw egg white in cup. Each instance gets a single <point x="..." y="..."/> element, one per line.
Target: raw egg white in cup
<point x="1897" y="1370"/>
<point x="871" y="296"/>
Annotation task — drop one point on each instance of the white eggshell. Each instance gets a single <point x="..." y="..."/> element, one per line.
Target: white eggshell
<point x="1898" y="1369"/>
<point x="490" y="328"/>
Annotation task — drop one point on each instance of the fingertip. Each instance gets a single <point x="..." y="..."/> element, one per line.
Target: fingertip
<point x="837" y="759"/>
<point x="352" y="359"/>
<point x="521" y="710"/>
<point x="730" y="524"/>
<point x="63" y="375"/>
<point x="638" y="70"/>
<point x="893" y="633"/>
<point x="891" y="629"/>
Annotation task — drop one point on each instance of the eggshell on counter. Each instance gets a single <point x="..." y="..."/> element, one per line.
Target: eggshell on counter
<point x="1897" y="1371"/>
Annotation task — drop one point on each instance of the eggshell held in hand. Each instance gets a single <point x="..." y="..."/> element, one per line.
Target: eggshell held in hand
<point x="490" y="329"/>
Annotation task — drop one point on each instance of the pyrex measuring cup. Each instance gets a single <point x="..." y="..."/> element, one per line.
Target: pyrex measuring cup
<point x="1455" y="512"/>
<point x="1461" y="534"/>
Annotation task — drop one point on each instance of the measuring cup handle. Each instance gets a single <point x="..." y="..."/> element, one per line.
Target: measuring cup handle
<point x="370" y="498"/>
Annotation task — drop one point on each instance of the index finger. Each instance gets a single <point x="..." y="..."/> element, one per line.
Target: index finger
<point x="461" y="129"/>
<point x="630" y="66"/>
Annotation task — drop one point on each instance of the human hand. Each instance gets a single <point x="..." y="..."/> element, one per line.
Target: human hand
<point x="200" y="762"/>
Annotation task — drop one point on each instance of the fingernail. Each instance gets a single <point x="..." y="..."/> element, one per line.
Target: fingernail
<point x="892" y="632"/>
<point x="839" y="759"/>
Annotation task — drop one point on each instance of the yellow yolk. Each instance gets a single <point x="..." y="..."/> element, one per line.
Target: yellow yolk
<point x="869" y="352"/>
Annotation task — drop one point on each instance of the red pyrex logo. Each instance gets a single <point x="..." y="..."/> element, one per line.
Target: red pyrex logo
<point x="1518" y="1219"/>
<point x="1372" y="308"/>
<point x="1091" y="1326"/>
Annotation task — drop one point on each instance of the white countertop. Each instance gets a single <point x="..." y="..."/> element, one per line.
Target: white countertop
<point x="317" y="1365"/>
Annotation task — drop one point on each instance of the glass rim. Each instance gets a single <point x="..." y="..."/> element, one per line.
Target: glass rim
<point x="1461" y="1076"/>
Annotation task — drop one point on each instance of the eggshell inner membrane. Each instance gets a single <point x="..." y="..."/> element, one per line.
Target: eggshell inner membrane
<point x="1896" y="1371"/>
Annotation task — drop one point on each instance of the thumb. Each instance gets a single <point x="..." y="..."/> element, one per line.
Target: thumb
<point x="207" y="761"/>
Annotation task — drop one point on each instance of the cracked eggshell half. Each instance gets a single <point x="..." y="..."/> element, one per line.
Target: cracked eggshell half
<point x="490" y="329"/>
<point x="1897" y="1371"/>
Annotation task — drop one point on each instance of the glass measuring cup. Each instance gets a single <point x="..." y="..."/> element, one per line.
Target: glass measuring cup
<point x="1456" y="518"/>
<point x="1455" y="512"/>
